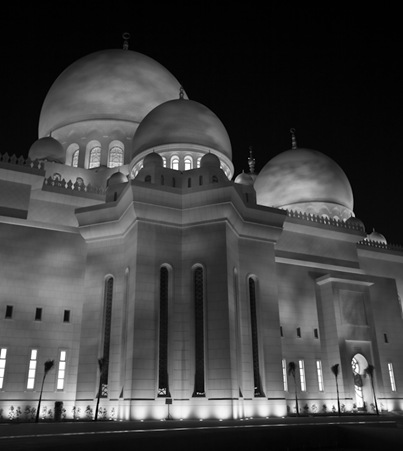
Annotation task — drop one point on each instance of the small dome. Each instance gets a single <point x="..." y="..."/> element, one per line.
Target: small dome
<point x="303" y="177"/>
<point x="116" y="179"/>
<point x="112" y="84"/>
<point x="209" y="160"/>
<point x="47" y="148"/>
<point x="356" y="222"/>
<point x="182" y="121"/>
<point x="153" y="159"/>
<point x="376" y="236"/>
<point x="244" y="179"/>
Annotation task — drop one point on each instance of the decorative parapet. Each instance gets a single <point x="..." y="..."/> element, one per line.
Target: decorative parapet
<point x="73" y="188"/>
<point x="20" y="163"/>
<point x="379" y="245"/>
<point x="349" y="225"/>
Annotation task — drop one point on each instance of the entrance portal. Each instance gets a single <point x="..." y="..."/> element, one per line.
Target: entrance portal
<point x="362" y="384"/>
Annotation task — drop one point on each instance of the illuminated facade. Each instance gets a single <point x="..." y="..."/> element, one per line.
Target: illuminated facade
<point x="125" y="236"/>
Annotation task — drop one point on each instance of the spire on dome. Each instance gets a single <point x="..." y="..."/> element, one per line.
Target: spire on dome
<point x="293" y="139"/>
<point x="251" y="161"/>
<point x="126" y="37"/>
<point x="181" y="93"/>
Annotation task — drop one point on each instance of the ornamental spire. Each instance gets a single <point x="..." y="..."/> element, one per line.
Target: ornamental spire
<point x="251" y="161"/>
<point x="181" y="93"/>
<point x="293" y="139"/>
<point x="126" y="37"/>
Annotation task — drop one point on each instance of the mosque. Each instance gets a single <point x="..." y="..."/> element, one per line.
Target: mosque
<point x="163" y="285"/>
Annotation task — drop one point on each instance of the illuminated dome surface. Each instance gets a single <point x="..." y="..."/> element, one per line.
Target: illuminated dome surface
<point x="303" y="176"/>
<point x="47" y="148"/>
<point x="244" y="179"/>
<point x="182" y="122"/>
<point x="376" y="236"/>
<point x="111" y="84"/>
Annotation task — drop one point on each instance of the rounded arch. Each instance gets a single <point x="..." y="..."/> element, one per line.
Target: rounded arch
<point x="174" y="164"/>
<point x="93" y="154"/>
<point x="72" y="154"/>
<point x="188" y="162"/>
<point x="362" y="384"/>
<point x="116" y="154"/>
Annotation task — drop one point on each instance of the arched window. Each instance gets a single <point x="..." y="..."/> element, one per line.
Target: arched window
<point x="107" y="323"/>
<point x="163" y="389"/>
<point x="74" y="160"/>
<point x="175" y="163"/>
<point x="189" y="182"/>
<point x="255" y="344"/>
<point x="72" y="153"/>
<point x="95" y="157"/>
<point x="116" y="156"/>
<point x="162" y="180"/>
<point x="198" y="286"/>
<point x="200" y="180"/>
<point x="188" y="161"/>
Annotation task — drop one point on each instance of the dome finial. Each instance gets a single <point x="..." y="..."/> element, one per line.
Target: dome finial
<point x="251" y="161"/>
<point x="181" y="93"/>
<point x="126" y="37"/>
<point x="293" y="138"/>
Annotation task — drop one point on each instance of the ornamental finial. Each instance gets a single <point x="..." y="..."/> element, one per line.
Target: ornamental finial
<point x="126" y="37"/>
<point x="251" y="161"/>
<point x="293" y="138"/>
<point x="181" y="92"/>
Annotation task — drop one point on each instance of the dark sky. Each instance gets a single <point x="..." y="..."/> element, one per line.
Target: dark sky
<point x="328" y="69"/>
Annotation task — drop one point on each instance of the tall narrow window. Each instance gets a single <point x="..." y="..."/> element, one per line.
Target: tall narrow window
<point x="198" y="280"/>
<point x="115" y="157"/>
<point x="61" y="371"/>
<point x="74" y="160"/>
<point x="32" y="369"/>
<point x="255" y="345"/>
<point x="66" y="316"/>
<point x="163" y="389"/>
<point x="188" y="161"/>
<point x="301" y="367"/>
<point x="38" y="314"/>
<point x="391" y="377"/>
<point x="9" y="312"/>
<point x="95" y="157"/>
<point x="106" y="335"/>
<point x="320" y="374"/>
<point x="3" y="355"/>
<point x="175" y="163"/>
<point x="285" y="379"/>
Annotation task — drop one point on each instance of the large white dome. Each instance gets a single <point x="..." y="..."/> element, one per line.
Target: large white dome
<point x="305" y="180"/>
<point x="119" y="85"/>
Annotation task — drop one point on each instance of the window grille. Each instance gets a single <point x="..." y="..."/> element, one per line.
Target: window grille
<point x="107" y="335"/>
<point x="32" y="369"/>
<point x="62" y="370"/>
<point x="115" y="157"/>
<point x="255" y="345"/>
<point x="3" y="355"/>
<point x="199" y="389"/>
<point x="163" y="389"/>
<point x="95" y="157"/>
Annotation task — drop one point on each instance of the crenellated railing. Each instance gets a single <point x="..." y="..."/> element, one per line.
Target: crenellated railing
<point x="76" y="187"/>
<point x="350" y="225"/>
<point x="379" y="245"/>
<point x="20" y="161"/>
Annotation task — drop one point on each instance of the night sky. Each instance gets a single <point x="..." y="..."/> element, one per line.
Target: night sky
<point x="328" y="69"/>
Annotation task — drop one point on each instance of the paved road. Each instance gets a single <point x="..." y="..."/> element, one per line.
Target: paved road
<point x="350" y="433"/>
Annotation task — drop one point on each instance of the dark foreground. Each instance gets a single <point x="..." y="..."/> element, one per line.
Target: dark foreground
<point x="288" y="434"/>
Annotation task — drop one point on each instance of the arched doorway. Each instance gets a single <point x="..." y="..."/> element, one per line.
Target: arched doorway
<point x="362" y="384"/>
